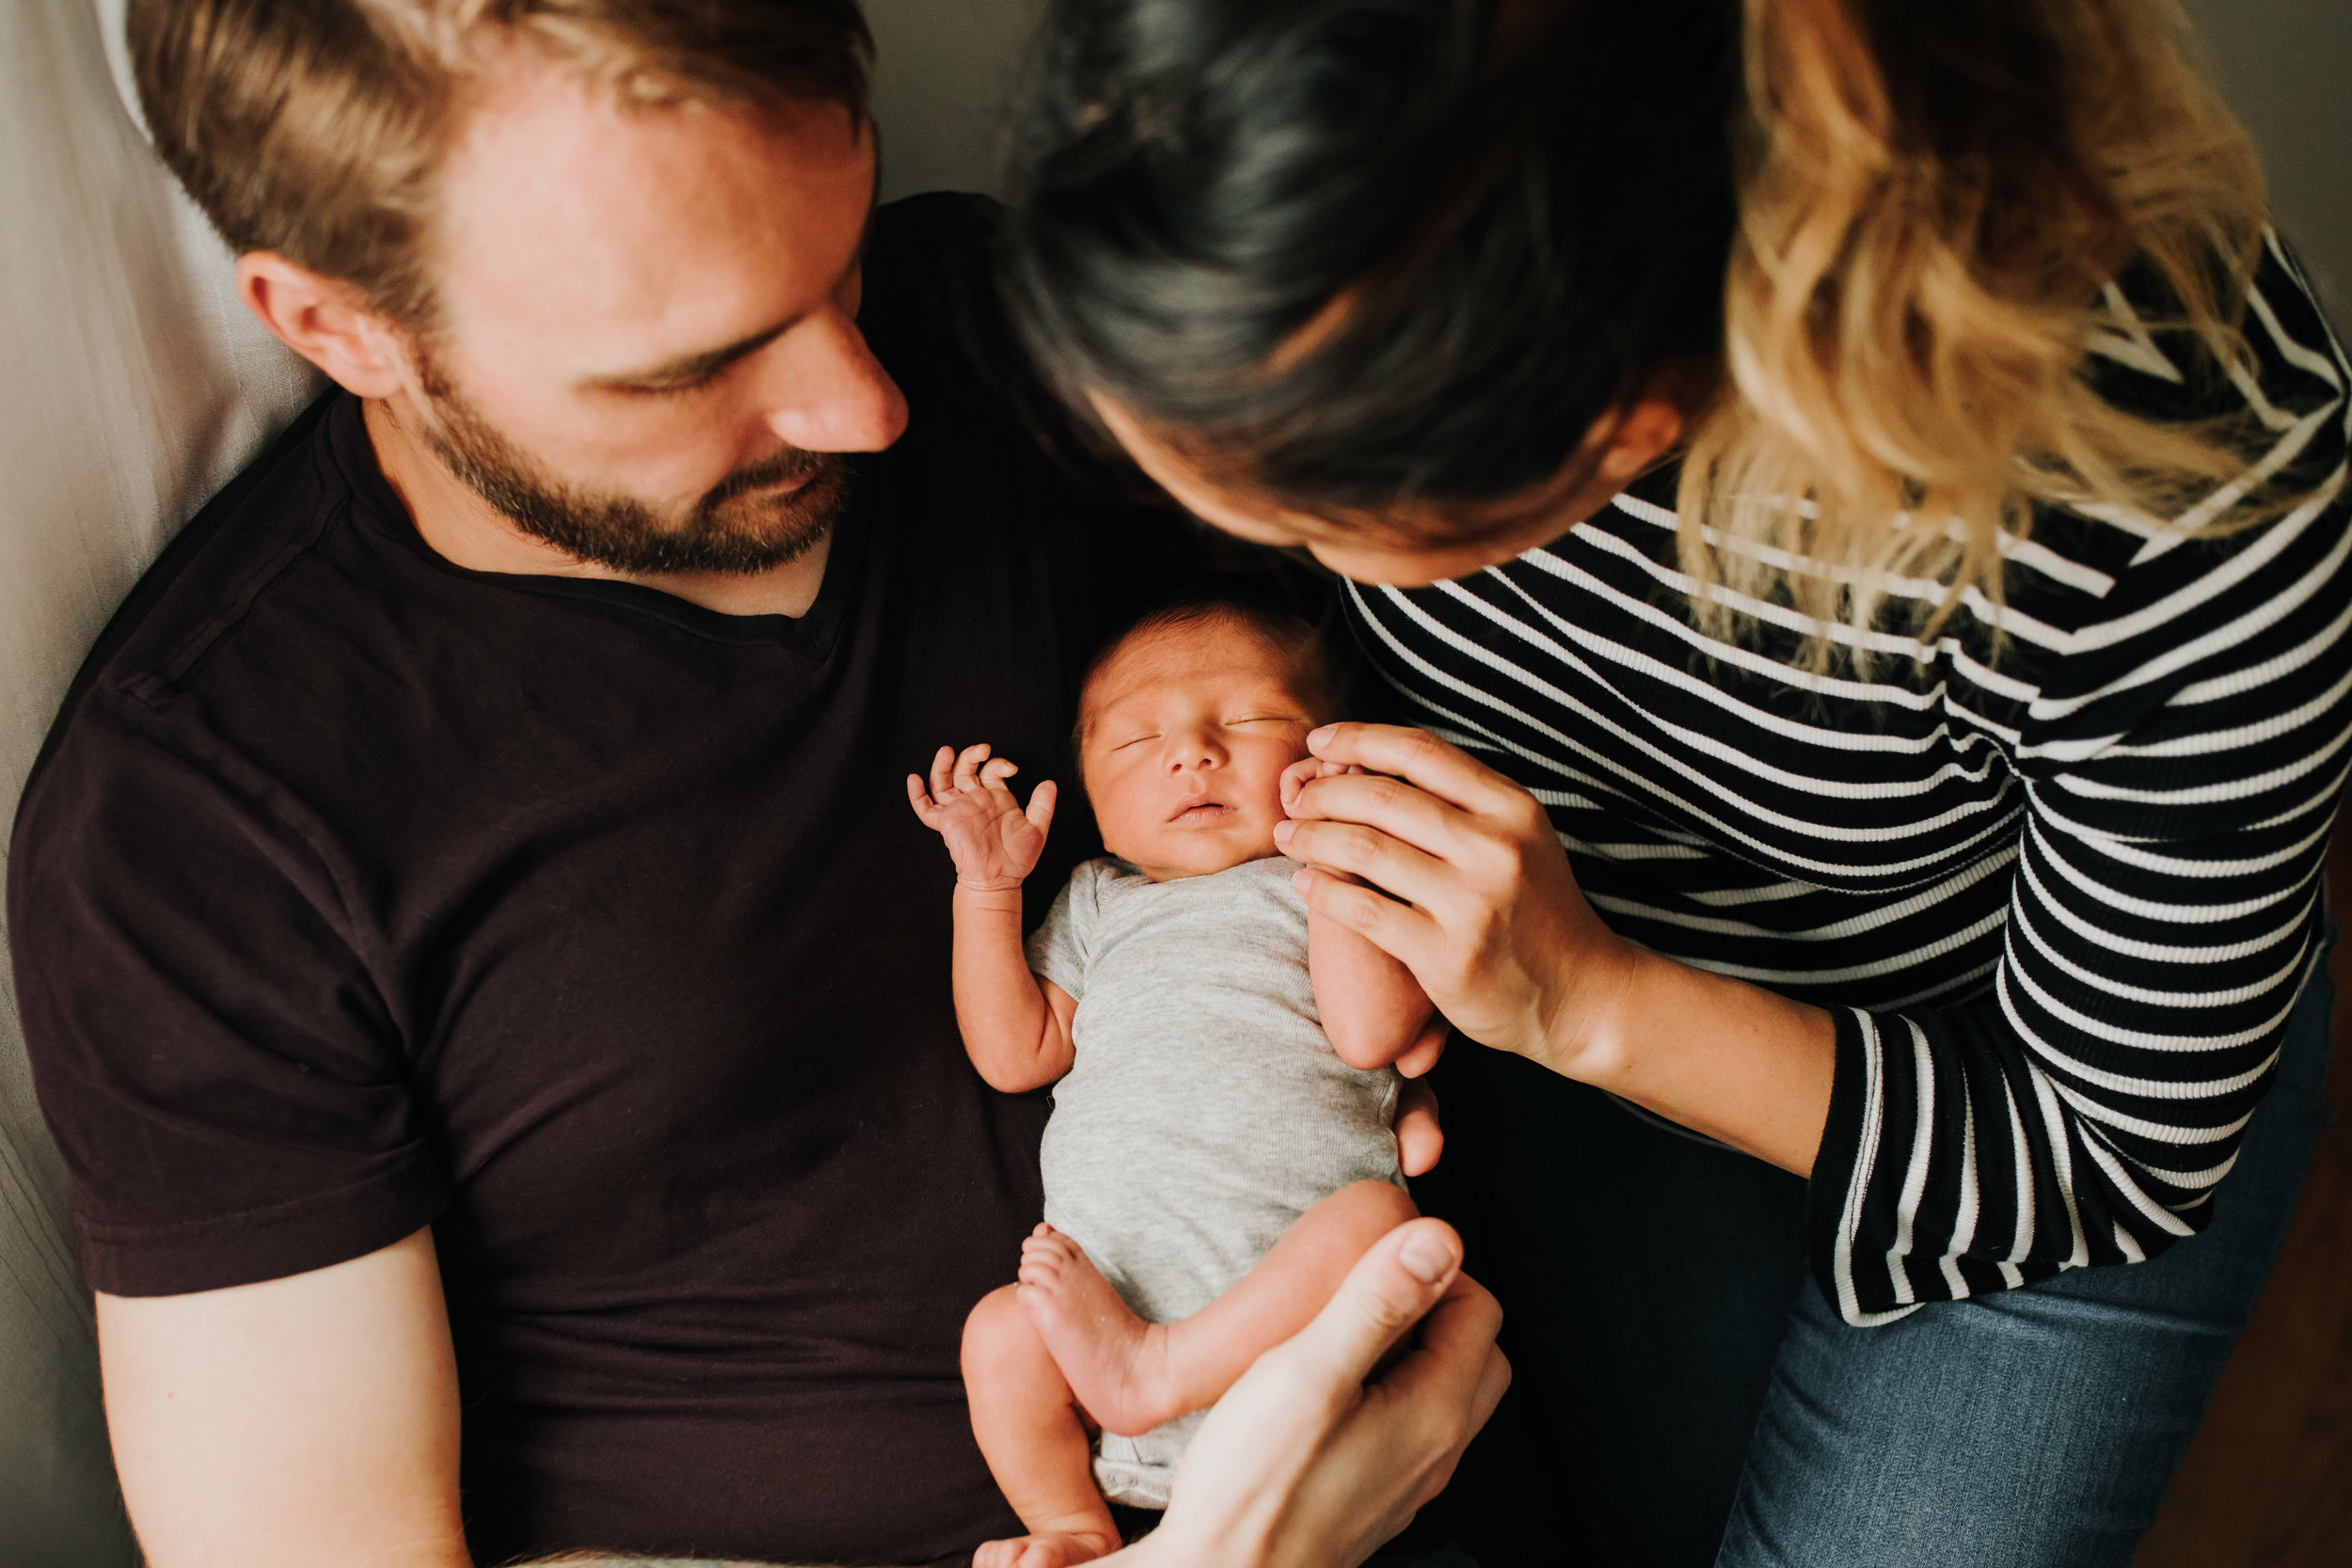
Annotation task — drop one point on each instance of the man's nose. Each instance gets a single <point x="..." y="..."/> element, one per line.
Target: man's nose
<point x="829" y="393"/>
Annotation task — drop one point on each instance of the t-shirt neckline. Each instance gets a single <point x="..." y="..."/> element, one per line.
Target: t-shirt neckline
<point x="813" y="635"/>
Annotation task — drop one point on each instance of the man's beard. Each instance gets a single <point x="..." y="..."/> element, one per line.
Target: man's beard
<point x="739" y="527"/>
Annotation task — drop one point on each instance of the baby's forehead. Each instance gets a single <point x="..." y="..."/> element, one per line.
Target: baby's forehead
<point x="1171" y="654"/>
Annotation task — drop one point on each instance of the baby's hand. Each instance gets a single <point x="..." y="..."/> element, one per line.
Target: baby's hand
<point x="994" y="843"/>
<point x="1306" y="770"/>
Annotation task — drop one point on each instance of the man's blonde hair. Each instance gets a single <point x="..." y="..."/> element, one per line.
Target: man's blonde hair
<point x="317" y="129"/>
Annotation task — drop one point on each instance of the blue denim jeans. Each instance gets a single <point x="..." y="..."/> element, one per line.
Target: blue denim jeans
<point x="1684" y="1395"/>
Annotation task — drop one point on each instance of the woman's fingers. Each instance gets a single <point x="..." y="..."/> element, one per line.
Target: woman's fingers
<point x="1410" y="936"/>
<point x="1391" y="864"/>
<point x="1416" y="756"/>
<point x="1394" y="807"/>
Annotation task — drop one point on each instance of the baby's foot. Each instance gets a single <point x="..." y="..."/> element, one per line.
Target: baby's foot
<point x="1039" y="1551"/>
<point x="1117" y="1364"/>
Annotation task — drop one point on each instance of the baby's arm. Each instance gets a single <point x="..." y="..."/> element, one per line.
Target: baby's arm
<point x="1372" y="1008"/>
<point x="1015" y="1026"/>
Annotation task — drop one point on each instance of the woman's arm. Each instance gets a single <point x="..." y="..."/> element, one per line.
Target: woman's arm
<point x="1494" y="928"/>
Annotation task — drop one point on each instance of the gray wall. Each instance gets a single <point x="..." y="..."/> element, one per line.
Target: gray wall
<point x="942" y="70"/>
<point x="2285" y="66"/>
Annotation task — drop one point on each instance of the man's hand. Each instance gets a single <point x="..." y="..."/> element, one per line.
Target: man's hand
<point x="1303" y="1463"/>
<point x="994" y="843"/>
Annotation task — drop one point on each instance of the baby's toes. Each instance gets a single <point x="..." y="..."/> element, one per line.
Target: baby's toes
<point x="1048" y="1257"/>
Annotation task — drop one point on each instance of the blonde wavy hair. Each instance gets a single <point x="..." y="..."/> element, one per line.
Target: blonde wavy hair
<point x="1907" y="318"/>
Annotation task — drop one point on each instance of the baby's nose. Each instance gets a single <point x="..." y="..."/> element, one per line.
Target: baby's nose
<point x="1193" y="753"/>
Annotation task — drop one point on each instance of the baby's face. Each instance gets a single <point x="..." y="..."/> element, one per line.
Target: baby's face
<point x="1187" y="735"/>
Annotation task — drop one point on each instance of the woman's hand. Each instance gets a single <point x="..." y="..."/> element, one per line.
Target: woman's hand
<point x="1482" y="905"/>
<point x="1493" y="926"/>
<point x="1303" y="1464"/>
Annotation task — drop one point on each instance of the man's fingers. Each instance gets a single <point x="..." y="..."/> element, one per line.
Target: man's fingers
<point x="1453" y="1367"/>
<point x="1416" y="756"/>
<point x="1040" y="812"/>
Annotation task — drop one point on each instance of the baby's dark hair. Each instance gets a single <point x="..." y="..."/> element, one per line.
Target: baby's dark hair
<point x="1314" y="675"/>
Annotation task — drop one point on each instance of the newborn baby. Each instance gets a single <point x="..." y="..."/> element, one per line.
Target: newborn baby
<point x="1220" y="1151"/>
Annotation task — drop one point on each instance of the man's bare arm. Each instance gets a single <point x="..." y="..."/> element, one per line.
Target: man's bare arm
<point x="307" y="1422"/>
<point x="303" y="1422"/>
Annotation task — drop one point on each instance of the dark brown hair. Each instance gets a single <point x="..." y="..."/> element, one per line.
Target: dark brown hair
<point x="1313" y="675"/>
<point x="1358" y="256"/>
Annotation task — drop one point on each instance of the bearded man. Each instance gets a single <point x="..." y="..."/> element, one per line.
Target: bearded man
<point x="472" y="944"/>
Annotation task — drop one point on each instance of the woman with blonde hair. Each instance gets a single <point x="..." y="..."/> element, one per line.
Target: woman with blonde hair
<point x="1847" y="498"/>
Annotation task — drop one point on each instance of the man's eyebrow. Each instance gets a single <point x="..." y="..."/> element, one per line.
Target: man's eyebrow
<point x="689" y="368"/>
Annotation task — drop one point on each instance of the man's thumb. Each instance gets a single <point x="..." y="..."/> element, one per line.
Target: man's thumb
<point x="1390" y="1287"/>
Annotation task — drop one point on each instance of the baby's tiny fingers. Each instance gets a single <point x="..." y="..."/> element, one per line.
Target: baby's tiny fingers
<point x="967" y="765"/>
<point x="943" y="768"/>
<point x="998" y="770"/>
<point x="1294" y="779"/>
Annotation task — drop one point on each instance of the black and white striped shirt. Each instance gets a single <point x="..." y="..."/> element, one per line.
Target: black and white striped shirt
<point x="2060" y="889"/>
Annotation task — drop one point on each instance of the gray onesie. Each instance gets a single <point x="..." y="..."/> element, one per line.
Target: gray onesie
<point x="1205" y="1110"/>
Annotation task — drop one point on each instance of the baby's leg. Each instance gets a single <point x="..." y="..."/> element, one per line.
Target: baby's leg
<point x="1131" y="1375"/>
<point x="1035" y="1443"/>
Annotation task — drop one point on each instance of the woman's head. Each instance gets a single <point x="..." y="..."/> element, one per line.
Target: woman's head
<point x="1383" y="263"/>
<point x="1421" y="283"/>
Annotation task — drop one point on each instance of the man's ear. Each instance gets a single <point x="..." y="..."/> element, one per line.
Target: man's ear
<point x="323" y="319"/>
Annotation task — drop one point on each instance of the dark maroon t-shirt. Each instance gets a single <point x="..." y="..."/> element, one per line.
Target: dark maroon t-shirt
<point x="356" y="892"/>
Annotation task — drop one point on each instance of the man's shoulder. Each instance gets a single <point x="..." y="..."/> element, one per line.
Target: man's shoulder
<point x="214" y="570"/>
